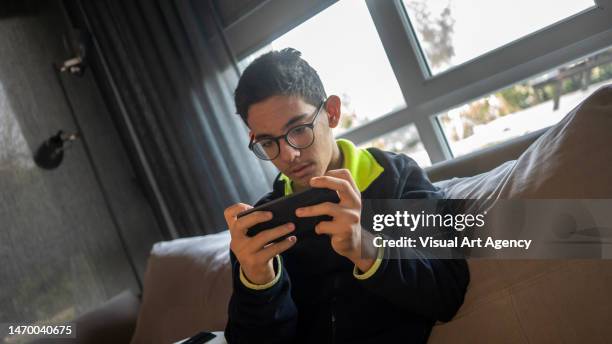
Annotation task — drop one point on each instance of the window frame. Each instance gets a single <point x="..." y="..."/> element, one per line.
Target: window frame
<point x="428" y="95"/>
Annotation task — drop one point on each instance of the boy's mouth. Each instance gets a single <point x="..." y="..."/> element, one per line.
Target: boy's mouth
<point x="301" y="170"/>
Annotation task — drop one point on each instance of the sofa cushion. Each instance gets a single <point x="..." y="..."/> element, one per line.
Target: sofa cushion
<point x="187" y="287"/>
<point x="112" y="322"/>
<point x="542" y="300"/>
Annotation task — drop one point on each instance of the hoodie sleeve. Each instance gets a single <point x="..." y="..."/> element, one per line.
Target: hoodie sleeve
<point x="261" y="315"/>
<point x="433" y="288"/>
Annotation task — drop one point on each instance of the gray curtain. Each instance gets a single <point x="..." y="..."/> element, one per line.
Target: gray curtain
<point x="169" y="77"/>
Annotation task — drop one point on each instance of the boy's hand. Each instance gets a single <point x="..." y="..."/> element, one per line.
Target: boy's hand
<point x="254" y="253"/>
<point x="345" y="228"/>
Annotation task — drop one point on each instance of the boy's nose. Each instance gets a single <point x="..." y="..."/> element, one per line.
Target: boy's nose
<point x="287" y="153"/>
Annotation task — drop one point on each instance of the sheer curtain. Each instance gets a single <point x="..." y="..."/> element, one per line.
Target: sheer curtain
<point x="168" y="75"/>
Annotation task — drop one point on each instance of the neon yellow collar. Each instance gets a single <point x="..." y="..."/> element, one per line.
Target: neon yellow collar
<point x="362" y="165"/>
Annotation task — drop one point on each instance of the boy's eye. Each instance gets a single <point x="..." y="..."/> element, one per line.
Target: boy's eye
<point x="266" y="143"/>
<point x="298" y="130"/>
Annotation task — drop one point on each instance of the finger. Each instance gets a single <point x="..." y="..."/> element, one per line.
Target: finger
<point x="326" y="227"/>
<point x="230" y="213"/>
<point x="325" y="208"/>
<point x="265" y="237"/>
<point x="243" y="224"/>
<point x="345" y="174"/>
<point x="343" y="187"/>
<point x="276" y="248"/>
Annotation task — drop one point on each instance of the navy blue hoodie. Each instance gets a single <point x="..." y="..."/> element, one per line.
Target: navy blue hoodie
<point x="317" y="297"/>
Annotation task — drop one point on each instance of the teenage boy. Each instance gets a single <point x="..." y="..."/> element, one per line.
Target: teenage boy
<point x="332" y="285"/>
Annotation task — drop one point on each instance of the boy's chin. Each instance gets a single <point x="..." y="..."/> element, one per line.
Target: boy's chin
<point x="302" y="183"/>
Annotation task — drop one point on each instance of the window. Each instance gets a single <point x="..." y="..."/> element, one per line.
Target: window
<point x="404" y="140"/>
<point x="450" y="33"/>
<point x="342" y="44"/>
<point x="444" y="53"/>
<point x="526" y="106"/>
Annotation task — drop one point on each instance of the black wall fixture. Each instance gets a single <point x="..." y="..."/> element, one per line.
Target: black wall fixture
<point x="78" y="44"/>
<point x="50" y="154"/>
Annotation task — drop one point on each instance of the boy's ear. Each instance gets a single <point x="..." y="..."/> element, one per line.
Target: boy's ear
<point x="333" y="107"/>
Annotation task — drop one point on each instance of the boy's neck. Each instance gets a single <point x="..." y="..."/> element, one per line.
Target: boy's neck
<point x="337" y="159"/>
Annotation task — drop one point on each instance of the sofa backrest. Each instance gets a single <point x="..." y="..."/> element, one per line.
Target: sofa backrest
<point x="483" y="160"/>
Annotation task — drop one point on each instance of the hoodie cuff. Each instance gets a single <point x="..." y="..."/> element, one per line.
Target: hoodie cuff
<point x="363" y="276"/>
<point x="268" y="285"/>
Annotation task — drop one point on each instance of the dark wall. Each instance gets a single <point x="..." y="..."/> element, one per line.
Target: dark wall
<point x="61" y="252"/>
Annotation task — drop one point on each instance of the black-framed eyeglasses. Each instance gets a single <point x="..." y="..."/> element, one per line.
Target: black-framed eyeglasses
<point x="298" y="137"/>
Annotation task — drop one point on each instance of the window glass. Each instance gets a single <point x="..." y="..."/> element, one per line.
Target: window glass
<point x="404" y="140"/>
<point x="451" y="32"/>
<point x="526" y="106"/>
<point x="342" y="44"/>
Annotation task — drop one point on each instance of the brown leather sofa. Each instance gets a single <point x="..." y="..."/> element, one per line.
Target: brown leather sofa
<point x="508" y="301"/>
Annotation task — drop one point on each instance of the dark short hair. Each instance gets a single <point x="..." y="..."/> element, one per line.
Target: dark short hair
<point x="276" y="73"/>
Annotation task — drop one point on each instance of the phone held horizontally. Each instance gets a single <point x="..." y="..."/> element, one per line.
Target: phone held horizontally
<point x="283" y="211"/>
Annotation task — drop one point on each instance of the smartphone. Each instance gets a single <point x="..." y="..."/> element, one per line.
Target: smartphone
<point x="283" y="211"/>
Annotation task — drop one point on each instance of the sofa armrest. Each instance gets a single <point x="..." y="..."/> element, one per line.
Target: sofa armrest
<point x="112" y="322"/>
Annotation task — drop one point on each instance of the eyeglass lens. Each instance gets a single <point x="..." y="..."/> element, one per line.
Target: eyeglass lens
<point x="299" y="137"/>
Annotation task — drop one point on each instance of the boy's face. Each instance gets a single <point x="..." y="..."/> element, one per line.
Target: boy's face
<point x="276" y="115"/>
